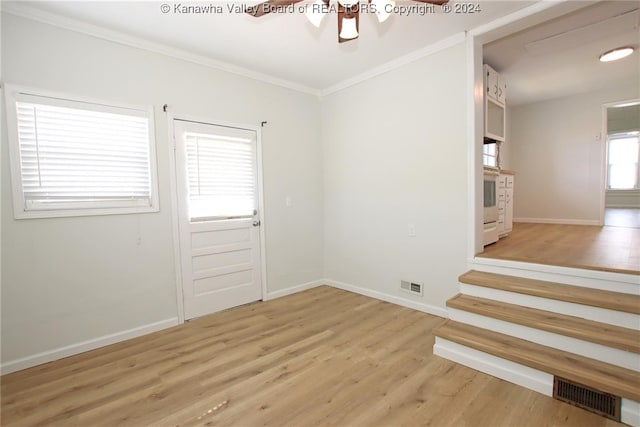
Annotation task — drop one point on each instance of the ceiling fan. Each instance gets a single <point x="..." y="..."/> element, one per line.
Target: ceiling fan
<point x="348" y="12"/>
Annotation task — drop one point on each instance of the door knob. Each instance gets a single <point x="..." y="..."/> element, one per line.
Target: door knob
<point x="256" y="223"/>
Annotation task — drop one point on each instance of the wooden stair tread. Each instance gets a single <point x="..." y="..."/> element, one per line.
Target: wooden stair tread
<point x="589" y="372"/>
<point x="575" y="327"/>
<point x="629" y="303"/>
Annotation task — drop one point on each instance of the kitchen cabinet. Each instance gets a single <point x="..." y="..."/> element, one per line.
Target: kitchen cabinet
<point x="495" y="86"/>
<point x="495" y="95"/>
<point x="506" y="181"/>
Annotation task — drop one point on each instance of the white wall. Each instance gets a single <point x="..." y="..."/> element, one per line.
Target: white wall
<point x="395" y="153"/>
<point x="65" y="280"/>
<point x="556" y="149"/>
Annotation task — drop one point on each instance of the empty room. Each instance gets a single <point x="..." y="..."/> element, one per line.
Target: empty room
<point x="330" y="212"/>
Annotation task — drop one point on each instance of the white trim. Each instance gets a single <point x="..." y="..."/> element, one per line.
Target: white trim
<point x="604" y="142"/>
<point x="619" y="206"/>
<point x="404" y="302"/>
<point x="261" y="215"/>
<point x="503" y="21"/>
<point x="630" y="413"/>
<point x="81" y="347"/>
<point x="396" y="63"/>
<point x="172" y="117"/>
<point x="475" y="131"/>
<point x="507" y="370"/>
<point x="28" y="12"/>
<point x="80" y="208"/>
<point x="565" y="221"/>
<point x="173" y="188"/>
<point x="293" y="290"/>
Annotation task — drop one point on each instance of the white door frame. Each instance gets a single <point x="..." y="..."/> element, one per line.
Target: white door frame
<point x="536" y="13"/>
<point x="171" y="117"/>
<point x="604" y="139"/>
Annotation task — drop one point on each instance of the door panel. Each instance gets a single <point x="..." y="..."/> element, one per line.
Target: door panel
<point x="218" y="200"/>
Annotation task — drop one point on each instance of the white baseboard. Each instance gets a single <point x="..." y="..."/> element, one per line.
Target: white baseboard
<point x="623" y="206"/>
<point x="81" y="347"/>
<point x="293" y="289"/>
<point x="92" y="344"/>
<point x="630" y="413"/>
<point x="507" y="370"/>
<point x="558" y="221"/>
<point x="415" y="305"/>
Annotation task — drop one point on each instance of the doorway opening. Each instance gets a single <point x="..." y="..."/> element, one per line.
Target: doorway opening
<point x="622" y="183"/>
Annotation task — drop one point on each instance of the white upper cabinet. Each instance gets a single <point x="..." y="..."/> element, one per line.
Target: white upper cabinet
<point x="495" y="93"/>
<point x="495" y="86"/>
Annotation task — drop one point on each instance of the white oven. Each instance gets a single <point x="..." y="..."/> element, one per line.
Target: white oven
<point x="490" y="185"/>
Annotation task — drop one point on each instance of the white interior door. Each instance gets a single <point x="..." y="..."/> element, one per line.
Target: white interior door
<point x="217" y="186"/>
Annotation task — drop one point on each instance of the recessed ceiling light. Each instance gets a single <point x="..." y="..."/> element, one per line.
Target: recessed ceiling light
<point x="616" y="54"/>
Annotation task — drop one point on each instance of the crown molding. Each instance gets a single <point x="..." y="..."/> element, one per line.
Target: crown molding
<point x="396" y="63"/>
<point x="28" y="12"/>
<point x="24" y="11"/>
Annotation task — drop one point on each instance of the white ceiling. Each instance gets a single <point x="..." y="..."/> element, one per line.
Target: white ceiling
<point x="285" y="45"/>
<point x="560" y="57"/>
<point x="556" y="58"/>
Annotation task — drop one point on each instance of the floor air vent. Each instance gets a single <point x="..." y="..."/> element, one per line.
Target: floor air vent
<point x="587" y="398"/>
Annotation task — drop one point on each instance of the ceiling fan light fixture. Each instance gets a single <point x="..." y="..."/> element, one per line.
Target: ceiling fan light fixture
<point x="349" y="28"/>
<point x="348" y="3"/>
<point x="617" y="53"/>
<point x="316" y="12"/>
<point x="383" y="8"/>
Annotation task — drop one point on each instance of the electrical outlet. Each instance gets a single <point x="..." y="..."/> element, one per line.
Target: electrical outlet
<point x="412" y="230"/>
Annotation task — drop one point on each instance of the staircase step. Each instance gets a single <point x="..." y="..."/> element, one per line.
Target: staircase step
<point x="575" y="327"/>
<point x="591" y="373"/>
<point x="628" y="303"/>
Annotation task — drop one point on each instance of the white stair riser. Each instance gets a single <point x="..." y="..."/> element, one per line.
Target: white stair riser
<point x="603" y="315"/>
<point x="516" y="373"/>
<point x="507" y="370"/>
<point x="588" y="349"/>
<point x="594" y="279"/>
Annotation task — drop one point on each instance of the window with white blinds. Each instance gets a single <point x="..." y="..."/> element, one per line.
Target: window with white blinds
<point x="80" y="158"/>
<point x="221" y="174"/>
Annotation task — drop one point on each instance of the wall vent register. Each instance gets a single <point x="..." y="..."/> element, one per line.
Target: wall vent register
<point x="414" y="288"/>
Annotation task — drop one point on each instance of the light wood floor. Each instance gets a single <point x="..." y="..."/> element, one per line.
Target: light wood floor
<point x="622" y="217"/>
<point x="320" y="357"/>
<point x="582" y="246"/>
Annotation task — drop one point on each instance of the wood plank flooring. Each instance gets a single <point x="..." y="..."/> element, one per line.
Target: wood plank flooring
<point x="622" y="217"/>
<point x="615" y="249"/>
<point x="320" y="357"/>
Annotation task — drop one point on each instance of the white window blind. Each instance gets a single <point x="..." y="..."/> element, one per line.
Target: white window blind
<point x="221" y="176"/>
<point x="77" y="155"/>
